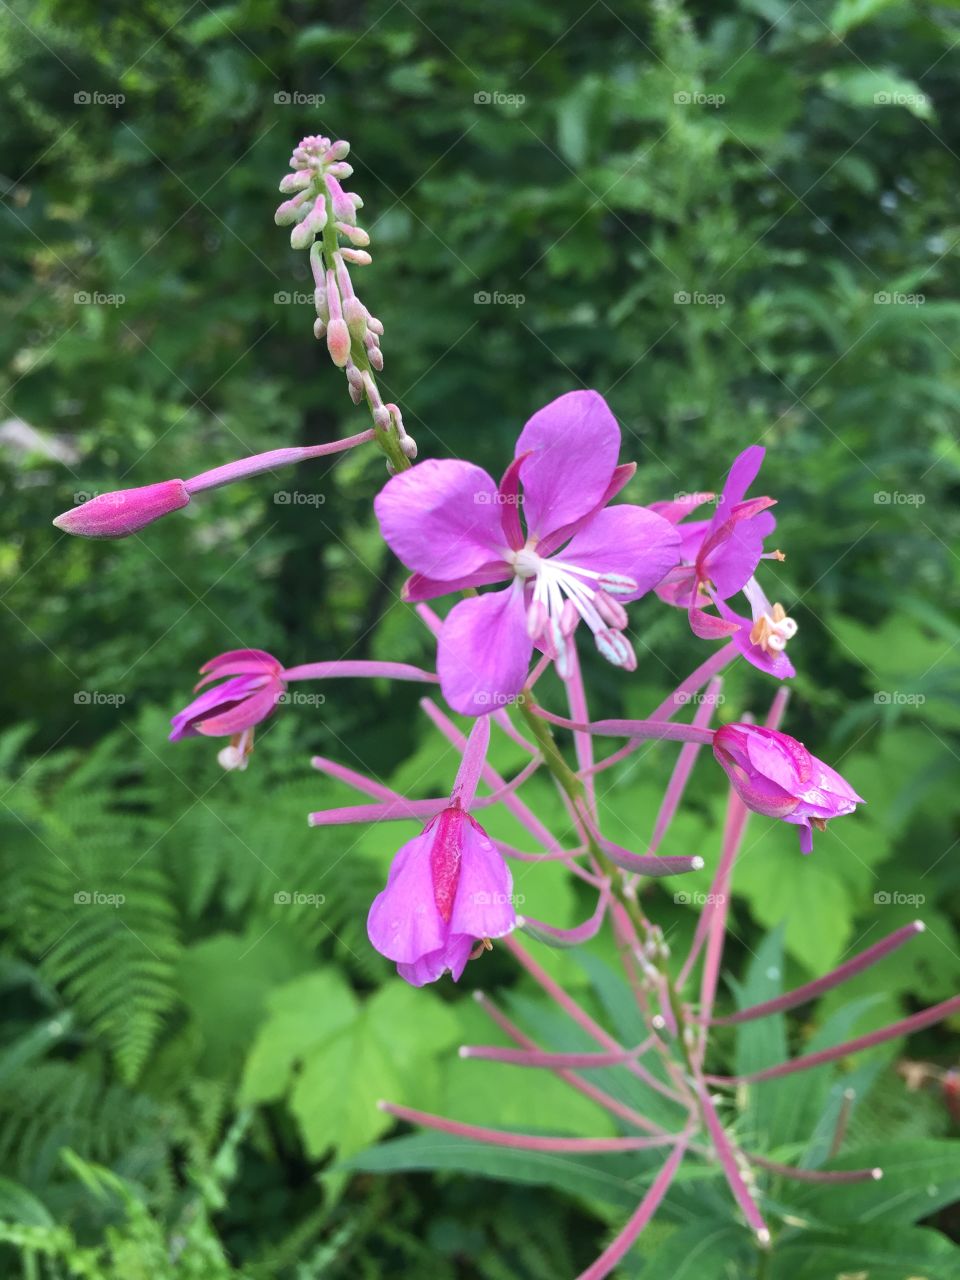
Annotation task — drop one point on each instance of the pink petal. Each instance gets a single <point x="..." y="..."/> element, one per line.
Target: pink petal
<point x="746" y="467"/>
<point x="631" y="541"/>
<point x="224" y="698"/>
<point x="483" y="907"/>
<point x="483" y="652"/>
<point x="574" y="441"/>
<point x="442" y="518"/>
<point x="419" y="587"/>
<point x="404" y="923"/>
<point x="244" y="715"/>
<point x="773" y="663"/>
<point x="453" y="956"/>
<point x="252" y="660"/>
<point x="622" y="475"/>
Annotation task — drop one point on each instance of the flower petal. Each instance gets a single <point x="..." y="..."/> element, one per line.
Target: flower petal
<point x="442" y="518"/>
<point x="419" y="587"/>
<point x="483" y="907"/>
<point x="403" y="922"/>
<point x="453" y="956"/>
<point x="483" y="652"/>
<point x="574" y="441"/>
<point x="217" y="701"/>
<point x="632" y="542"/>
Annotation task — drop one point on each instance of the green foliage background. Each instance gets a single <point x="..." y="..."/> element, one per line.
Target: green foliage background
<point x="204" y="1051"/>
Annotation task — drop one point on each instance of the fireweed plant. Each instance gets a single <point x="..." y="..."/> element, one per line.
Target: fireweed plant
<point x="541" y="560"/>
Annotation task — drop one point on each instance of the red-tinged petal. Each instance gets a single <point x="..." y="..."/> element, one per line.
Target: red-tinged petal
<point x="574" y="442"/>
<point x="510" y="499"/>
<point x="483" y="907"/>
<point x="442" y="518"/>
<point x="709" y="627"/>
<point x="244" y="715"/>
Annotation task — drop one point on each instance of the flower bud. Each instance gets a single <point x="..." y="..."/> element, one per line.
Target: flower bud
<point x="296" y="182"/>
<point x="338" y="342"/>
<point x="355" y="314"/>
<point x="115" y="515"/>
<point x="359" y="257"/>
<point x="289" y="211"/>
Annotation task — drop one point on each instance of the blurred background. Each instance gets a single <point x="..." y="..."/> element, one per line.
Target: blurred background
<point x="738" y="221"/>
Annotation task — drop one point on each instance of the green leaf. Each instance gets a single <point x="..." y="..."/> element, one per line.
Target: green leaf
<point x="877" y="88"/>
<point x="714" y="1250"/>
<point x="918" y="1178"/>
<point x="882" y="1253"/>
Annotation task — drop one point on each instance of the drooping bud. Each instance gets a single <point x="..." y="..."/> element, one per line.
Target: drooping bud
<point x="116" y="515"/>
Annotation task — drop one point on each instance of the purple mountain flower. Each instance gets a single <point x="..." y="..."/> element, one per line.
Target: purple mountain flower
<point x="456" y="528"/>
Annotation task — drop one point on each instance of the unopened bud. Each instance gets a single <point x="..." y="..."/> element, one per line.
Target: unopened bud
<point x="340" y="170"/>
<point x="359" y="257"/>
<point x="115" y="515"/>
<point x="409" y="447"/>
<point x="355" y="314"/>
<point x="296" y="182"/>
<point x="338" y="342"/>
<point x="289" y="211"/>
<point x="339" y="151"/>
<point x="356" y="235"/>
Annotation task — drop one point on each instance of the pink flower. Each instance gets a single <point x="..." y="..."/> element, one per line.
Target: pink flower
<point x="449" y="891"/>
<point x="776" y="775"/>
<point x="456" y="528"/>
<point x="253" y="687"/>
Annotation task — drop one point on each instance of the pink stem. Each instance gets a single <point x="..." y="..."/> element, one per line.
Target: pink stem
<point x="473" y="759"/>
<point x="584" y="1087"/>
<point x="269" y="461"/>
<point x="811" y="989"/>
<point x="681" y="771"/>
<point x="516" y="806"/>
<point x="647" y="1207"/>
<point x="399" y="807"/>
<point x="525" y="1058"/>
<point x="521" y="1141"/>
<point x="583" y="1019"/>
<point x="728" y="1162"/>
<point x="333" y="670"/>
<point x="568" y="937"/>
<point x="583" y="743"/>
<point x="359" y="781"/>
<point x="560" y="856"/>
<point x="905" y="1027"/>
<point x="816" y="1175"/>
<point x="695" y="681"/>
<point x="641" y="730"/>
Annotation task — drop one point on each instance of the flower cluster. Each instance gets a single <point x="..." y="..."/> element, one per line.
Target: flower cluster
<point x="533" y="557"/>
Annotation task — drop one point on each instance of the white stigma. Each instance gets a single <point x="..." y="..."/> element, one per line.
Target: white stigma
<point x="772" y="628"/>
<point x="564" y="592"/>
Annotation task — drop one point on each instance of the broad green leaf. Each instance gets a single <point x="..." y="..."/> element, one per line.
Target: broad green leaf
<point x="880" y="1253"/>
<point x="918" y="1178"/>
